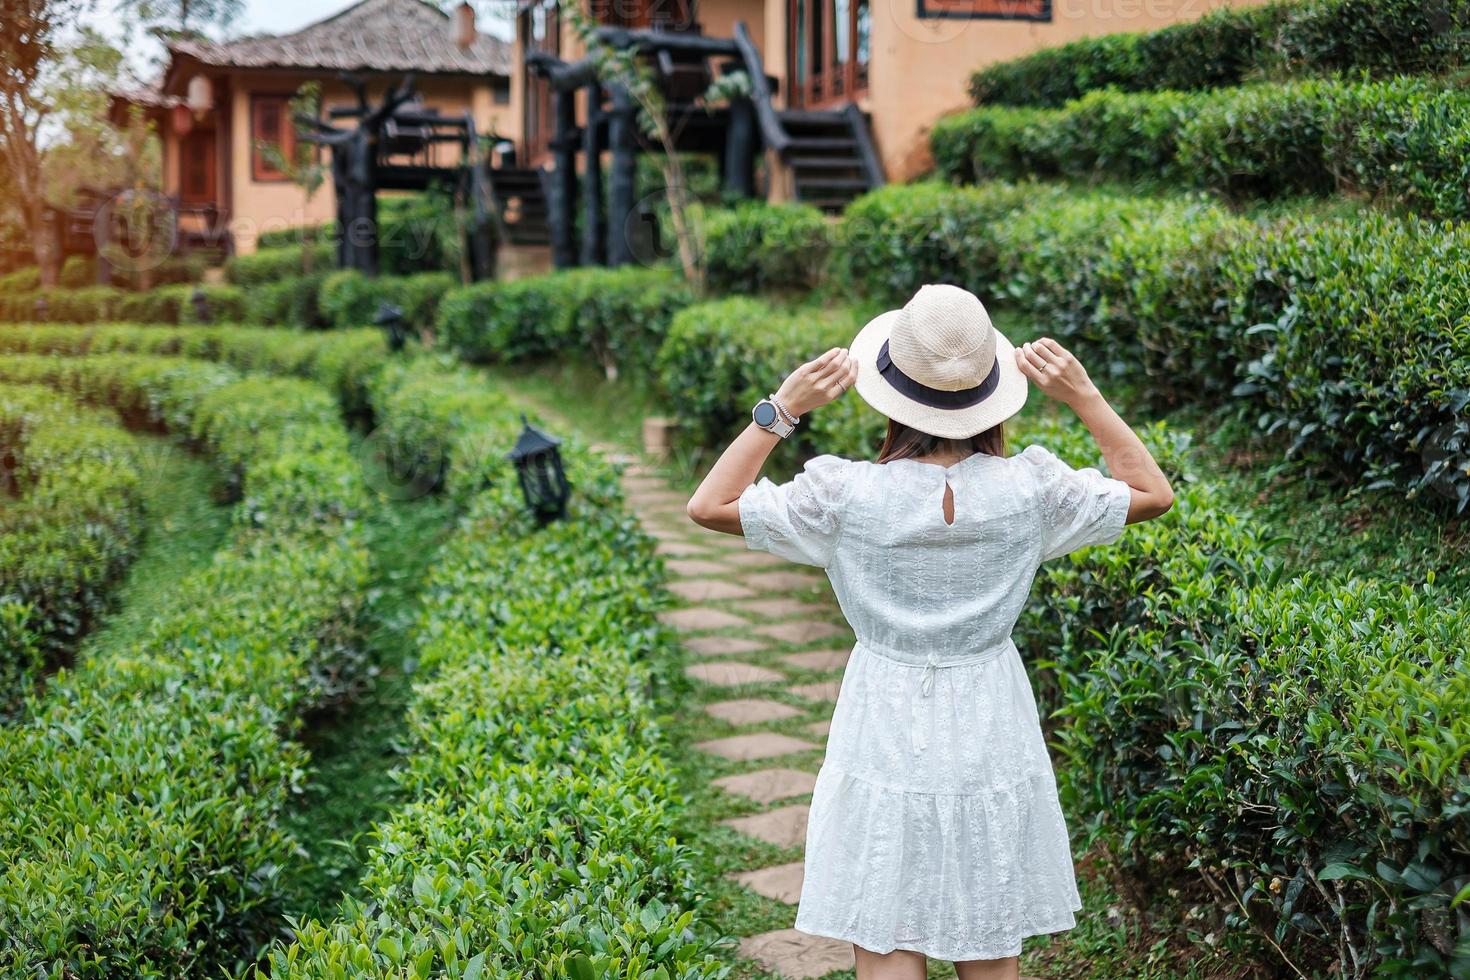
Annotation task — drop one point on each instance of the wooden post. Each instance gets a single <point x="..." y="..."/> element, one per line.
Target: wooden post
<point x="561" y="207"/>
<point x="738" y="171"/>
<point x="622" y="180"/>
<point x="594" y="221"/>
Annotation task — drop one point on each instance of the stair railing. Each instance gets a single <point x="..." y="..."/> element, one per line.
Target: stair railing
<point x="772" y="132"/>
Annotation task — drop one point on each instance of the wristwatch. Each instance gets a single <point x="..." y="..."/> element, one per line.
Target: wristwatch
<point x="770" y="415"/>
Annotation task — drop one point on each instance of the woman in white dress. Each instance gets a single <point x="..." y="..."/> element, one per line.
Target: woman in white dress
<point x="935" y="829"/>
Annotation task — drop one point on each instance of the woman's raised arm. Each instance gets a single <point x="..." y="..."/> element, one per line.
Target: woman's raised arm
<point x="716" y="502"/>
<point x="1053" y="369"/>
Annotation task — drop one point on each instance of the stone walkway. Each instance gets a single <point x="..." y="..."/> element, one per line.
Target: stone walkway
<point x="768" y="645"/>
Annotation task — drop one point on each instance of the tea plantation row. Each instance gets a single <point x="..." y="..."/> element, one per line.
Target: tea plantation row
<point x="1402" y="141"/>
<point x="75" y="526"/>
<point x="521" y="625"/>
<point x="142" y="795"/>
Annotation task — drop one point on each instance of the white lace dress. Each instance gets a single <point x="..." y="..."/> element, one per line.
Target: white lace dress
<point x="934" y="823"/>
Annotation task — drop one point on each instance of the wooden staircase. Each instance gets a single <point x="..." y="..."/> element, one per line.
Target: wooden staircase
<point x="831" y="156"/>
<point x="522" y="199"/>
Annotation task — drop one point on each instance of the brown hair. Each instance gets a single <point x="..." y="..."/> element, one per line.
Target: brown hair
<point x="906" y="442"/>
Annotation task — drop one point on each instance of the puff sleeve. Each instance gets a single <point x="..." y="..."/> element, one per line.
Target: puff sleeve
<point x="799" y="520"/>
<point x="1079" y="507"/>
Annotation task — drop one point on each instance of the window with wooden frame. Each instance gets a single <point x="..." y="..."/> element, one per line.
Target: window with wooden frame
<point x="270" y="125"/>
<point x="827" y="59"/>
<point x="986" y="9"/>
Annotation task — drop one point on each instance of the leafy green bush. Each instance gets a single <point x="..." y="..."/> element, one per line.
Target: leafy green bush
<point x="191" y="728"/>
<point x="25" y="280"/>
<point x="75" y="528"/>
<point x="755" y="247"/>
<point x="1203" y="692"/>
<point x="1232" y="46"/>
<point x="270" y="265"/>
<point x="77" y="271"/>
<point x="1261" y="141"/>
<point x="288" y="302"/>
<point x="535" y="749"/>
<point x="350" y="299"/>
<point x="1343" y="333"/>
<point x="175" y="304"/>
<point x="88" y="304"/>
<point x="614" y="317"/>
<point x="1405" y="140"/>
<point x="722" y="356"/>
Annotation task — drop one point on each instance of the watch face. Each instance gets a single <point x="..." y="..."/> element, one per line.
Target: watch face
<point x="764" y="414"/>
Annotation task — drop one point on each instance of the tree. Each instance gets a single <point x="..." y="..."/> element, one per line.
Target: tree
<point x="622" y="67"/>
<point x="174" y="19"/>
<point x="29" y="53"/>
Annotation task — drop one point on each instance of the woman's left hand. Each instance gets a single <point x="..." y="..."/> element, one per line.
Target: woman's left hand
<point x="818" y="382"/>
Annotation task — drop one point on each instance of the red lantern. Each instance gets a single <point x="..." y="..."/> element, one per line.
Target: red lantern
<point x="182" y="120"/>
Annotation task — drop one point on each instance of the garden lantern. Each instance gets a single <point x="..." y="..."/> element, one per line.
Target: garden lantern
<point x="390" y="318"/>
<point x="201" y="305"/>
<point x="43" y="309"/>
<point x="538" y="466"/>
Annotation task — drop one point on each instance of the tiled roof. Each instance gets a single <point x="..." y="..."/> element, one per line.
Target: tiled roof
<point x="149" y="96"/>
<point x="370" y="35"/>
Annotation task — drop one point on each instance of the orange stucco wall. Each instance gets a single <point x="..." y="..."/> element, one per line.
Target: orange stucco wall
<point x="256" y="206"/>
<point x="920" y="68"/>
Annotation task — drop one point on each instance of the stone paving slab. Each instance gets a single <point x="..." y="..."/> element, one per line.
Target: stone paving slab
<point x="756" y="558"/>
<point x="783" y="608"/>
<point x="750" y="711"/>
<point x="781" y="882"/>
<point x="727" y="673"/>
<point x="707" y="589"/>
<point x="820" y="691"/>
<point x="680" y="549"/>
<point x="803" y="632"/>
<point x="798" y="955"/>
<point x="721" y="646"/>
<point x="696" y="567"/>
<point x="820" y="728"/>
<point x="819" y="659"/>
<point x="769" y="785"/>
<point x="756" y="745"/>
<point x="783" y="580"/>
<point x="700" y="619"/>
<point x="784" y="826"/>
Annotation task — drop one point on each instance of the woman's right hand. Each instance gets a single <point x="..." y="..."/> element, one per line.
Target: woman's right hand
<point x="1056" y="371"/>
<point x="819" y="381"/>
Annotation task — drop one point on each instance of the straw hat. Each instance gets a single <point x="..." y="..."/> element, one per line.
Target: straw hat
<point x="938" y="365"/>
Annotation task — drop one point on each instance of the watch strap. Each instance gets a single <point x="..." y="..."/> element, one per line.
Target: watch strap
<point x="782" y="410"/>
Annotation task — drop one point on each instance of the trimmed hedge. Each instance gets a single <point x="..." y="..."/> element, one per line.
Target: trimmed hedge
<point x="88" y="304"/>
<point x="1348" y="334"/>
<point x="1295" y="743"/>
<point x="616" y="318"/>
<point x="191" y="728"/>
<point x="76" y="527"/>
<point x="1200" y="691"/>
<point x="1402" y="139"/>
<point x="271" y="265"/>
<point x="756" y="247"/>
<point x="1228" y="47"/>
<point x="538" y="836"/>
<point x="350" y="299"/>
<point x="288" y="302"/>
<point x="175" y="304"/>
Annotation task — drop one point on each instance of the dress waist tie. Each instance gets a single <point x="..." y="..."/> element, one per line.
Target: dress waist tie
<point x="918" y="737"/>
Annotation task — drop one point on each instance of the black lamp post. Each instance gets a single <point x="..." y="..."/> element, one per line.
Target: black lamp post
<point x="201" y="305"/>
<point x="390" y="318"/>
<point x="539" y="468"/>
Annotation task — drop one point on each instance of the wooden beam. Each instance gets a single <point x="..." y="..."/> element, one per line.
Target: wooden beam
<point x="594" y="218"/>
<point x="622" y="180"/>
<point x="772" y="132"/>
<point x="562" y="205"/>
